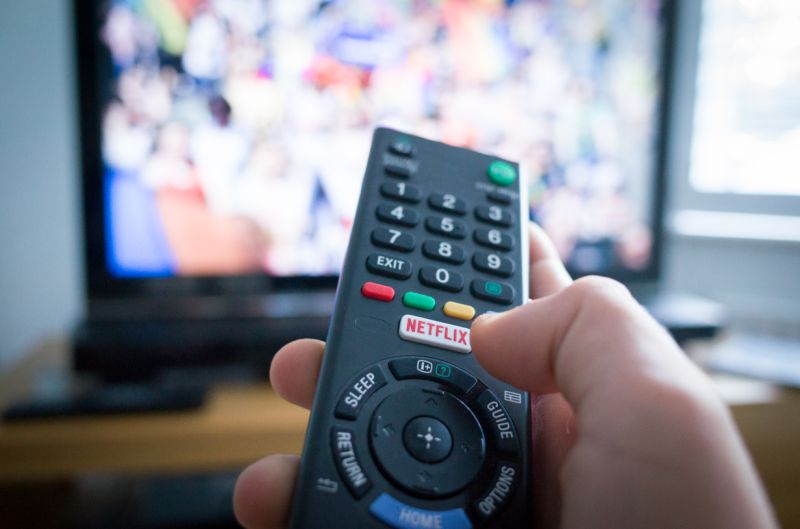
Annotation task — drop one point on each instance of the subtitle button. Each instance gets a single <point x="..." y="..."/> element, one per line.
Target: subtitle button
<point x="501" y="427"/>
<point x="347" y="462"/>
<point x="358" y="391"/>
<point x="500" y="491"/>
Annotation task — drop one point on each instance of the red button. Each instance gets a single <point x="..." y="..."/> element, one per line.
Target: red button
<point x="376" y="291"/>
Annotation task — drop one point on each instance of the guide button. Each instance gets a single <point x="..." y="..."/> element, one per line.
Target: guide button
<point x="501" y="427"/>
<point x="402" y="516"/>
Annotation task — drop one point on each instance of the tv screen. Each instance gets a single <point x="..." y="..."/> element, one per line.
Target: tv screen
<point x="234" y="133"/>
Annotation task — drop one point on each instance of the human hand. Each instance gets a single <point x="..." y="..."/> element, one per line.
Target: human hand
<point x="627" y="431"/>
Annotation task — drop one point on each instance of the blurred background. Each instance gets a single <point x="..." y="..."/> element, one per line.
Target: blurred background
<point x="179" y="178"/>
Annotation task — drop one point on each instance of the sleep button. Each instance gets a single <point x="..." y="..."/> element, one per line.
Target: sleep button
<point x="399" y="515"/>
<point x="358" y="391"/>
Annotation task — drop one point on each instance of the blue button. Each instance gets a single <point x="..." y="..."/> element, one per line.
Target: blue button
<point x="402" y="516"/>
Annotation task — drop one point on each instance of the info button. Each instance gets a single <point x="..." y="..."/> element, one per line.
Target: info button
<point x="358" y="391"/>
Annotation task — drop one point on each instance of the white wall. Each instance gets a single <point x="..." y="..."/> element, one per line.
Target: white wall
<point x="40" y="259"/>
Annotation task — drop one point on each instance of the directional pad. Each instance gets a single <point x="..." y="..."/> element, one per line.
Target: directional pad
<point x="427" y="441"/>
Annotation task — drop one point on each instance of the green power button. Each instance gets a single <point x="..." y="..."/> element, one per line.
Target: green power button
<point x="502" y="173"/>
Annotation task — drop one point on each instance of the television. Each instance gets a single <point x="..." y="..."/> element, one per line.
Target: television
<point x="224" y="142"/>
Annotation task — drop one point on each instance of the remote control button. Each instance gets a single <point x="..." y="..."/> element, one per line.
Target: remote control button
<point x="495" y="239"/>
<point x="443" y="251"/>
<point x="447" y="203"/>
<point x="389" y="266"/>
<point x="501" y="428"/>
<point x="389" y="444"/>
<point x="393" y="239"/>
<point x="347" y="463"/>
<point x="399" y="167"/>
<point x="493" y="291"/>
<point x="401" y="191"/>
<point x="501" y="173"/>
<point x="377" y="291"/>
<point x="441" y="278"/>
<point x="418" y="301"/>
<point x="494" y="215"/>
<point x="427" y="369"/>
<point x="493" y="264"/>
<point x="459" y="310"/>
<point x="499" y="197"/>
<point x="447" y="226"/>
<point x="401" y="215"/>
<point x="435" y="333"/>
<point x="358" y="391"/>
<point x="398" y="515"/>
<point x="427" y="439"/>
<point x="500" y="491"/>
<point x="402" y="147"/>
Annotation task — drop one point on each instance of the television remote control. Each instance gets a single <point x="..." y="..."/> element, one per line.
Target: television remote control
<point x="407" y="430"/>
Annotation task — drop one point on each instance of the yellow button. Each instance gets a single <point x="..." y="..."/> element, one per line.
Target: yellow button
<point x="457" y="310"/>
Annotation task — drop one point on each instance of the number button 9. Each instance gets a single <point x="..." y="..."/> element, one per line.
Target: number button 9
<point x="494" y="264"/>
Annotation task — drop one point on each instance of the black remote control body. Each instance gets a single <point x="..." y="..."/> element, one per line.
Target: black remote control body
<point x="407" y="430"/>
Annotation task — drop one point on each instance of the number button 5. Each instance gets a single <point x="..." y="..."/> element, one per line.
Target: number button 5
<point x="443" y="251"/>
<point x="441" y="278"/>
<point x="446" y="226"/>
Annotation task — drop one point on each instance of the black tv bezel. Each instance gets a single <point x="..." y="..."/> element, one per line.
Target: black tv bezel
<point x="93" y="61"/>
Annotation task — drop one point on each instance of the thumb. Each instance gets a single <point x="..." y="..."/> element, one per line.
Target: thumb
<point x="589" y="336"/>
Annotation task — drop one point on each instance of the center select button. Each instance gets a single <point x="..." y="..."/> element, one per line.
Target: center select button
<point x="389" y="266"/>
<point x="399" y="515"/>
<point x="358" y="391"/>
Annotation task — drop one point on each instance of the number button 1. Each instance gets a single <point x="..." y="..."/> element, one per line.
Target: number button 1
<point x="393" y="239"/>
<point x="443" y="251"/>
<point x="494" y="215"/>
<point x="441" y="278"/>
<point x="446" y="226"/>
<point x="494" y="239"/>
<point x="401" y="215"/>
<point x="447" y="203"/>
<point x="401" y="191"/>
<point x="492" y="264"/>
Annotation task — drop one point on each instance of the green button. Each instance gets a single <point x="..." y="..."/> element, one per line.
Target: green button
<point x="502" y="173"/>
<point x="493" y="288"/>
<point x="443" y="371"/>
<point x="415" y="300"/>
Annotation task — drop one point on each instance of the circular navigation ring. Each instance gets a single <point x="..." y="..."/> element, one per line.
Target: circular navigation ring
<point x="401" y="455"/>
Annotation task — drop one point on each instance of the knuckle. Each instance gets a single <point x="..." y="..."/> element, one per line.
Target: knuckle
<point x="602" y="293"/>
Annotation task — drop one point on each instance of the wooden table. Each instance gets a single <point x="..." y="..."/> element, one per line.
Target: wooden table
<point x="241" y="424"/>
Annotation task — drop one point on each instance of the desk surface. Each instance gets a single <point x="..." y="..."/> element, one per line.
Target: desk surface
<point x="241" y="424"/>
<point x="237" y="425"/>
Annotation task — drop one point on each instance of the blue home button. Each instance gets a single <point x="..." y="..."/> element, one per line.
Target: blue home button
<point x="401" y="516"/>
